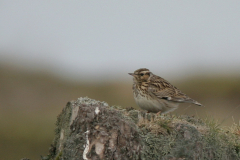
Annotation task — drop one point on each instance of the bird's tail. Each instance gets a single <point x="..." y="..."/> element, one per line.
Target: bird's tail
<point x="197" y="103"/>
<point x="189" y="100"/>
<point x="185" y="99"/>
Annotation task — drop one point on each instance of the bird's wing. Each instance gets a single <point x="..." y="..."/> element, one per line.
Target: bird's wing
<point x="162" y="89"/>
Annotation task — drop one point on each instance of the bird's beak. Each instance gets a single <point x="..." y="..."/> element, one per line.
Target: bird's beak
<point x="132" y="74"/>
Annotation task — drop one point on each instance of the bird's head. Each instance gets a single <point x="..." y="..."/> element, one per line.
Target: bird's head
<point x="141" y="75"/>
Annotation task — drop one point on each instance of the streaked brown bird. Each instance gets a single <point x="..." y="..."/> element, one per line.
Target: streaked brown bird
<point x="155" y="94"/>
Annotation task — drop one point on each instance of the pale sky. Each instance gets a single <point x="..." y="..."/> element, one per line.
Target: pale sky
<point x="98" y="39"/>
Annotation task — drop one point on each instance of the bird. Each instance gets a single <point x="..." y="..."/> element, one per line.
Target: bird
<point x="154" y="94"/>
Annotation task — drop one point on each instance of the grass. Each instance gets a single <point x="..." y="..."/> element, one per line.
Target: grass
<point x="176" y="136"/>
<point x="31" y="101"/>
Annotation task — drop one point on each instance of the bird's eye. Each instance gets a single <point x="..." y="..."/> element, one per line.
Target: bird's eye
<point x="141" y="74"/>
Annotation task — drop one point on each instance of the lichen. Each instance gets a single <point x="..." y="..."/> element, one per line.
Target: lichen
<point x="116" y="133"/>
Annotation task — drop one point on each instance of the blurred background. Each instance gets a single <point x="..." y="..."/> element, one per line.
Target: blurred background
<point x="52" y="52"/>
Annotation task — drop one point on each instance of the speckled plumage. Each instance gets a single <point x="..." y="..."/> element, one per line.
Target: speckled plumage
<point x="155" y="94"/>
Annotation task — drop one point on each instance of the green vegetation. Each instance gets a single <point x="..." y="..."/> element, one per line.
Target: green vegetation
<point x="31" y="101"/>
<point x="141" y="134"/>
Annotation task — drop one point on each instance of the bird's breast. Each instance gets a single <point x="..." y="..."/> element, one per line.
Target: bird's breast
<point x="146" y="102"/>
<point x="152" y="104"/>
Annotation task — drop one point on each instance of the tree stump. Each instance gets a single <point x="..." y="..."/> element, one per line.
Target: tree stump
<point x="91" y="130"/>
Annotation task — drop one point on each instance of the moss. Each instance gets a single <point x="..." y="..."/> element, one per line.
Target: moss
<point x="184" y="140"/>
<point x="132" y="134"/>
<point x="237" y="148"/>
<point x="133" y="114"/>
<point x="220" y="142"/>
<point x="59" y="156"/>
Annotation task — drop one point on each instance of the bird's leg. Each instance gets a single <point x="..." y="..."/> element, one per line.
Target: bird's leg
<point x="152" y="118"/>
<point x="158" y="113"/>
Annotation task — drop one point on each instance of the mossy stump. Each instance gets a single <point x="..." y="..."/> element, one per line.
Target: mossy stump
<point x="91" y="130"/>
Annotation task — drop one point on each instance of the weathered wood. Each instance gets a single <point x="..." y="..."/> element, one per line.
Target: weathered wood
<point x="92" y="130"/>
